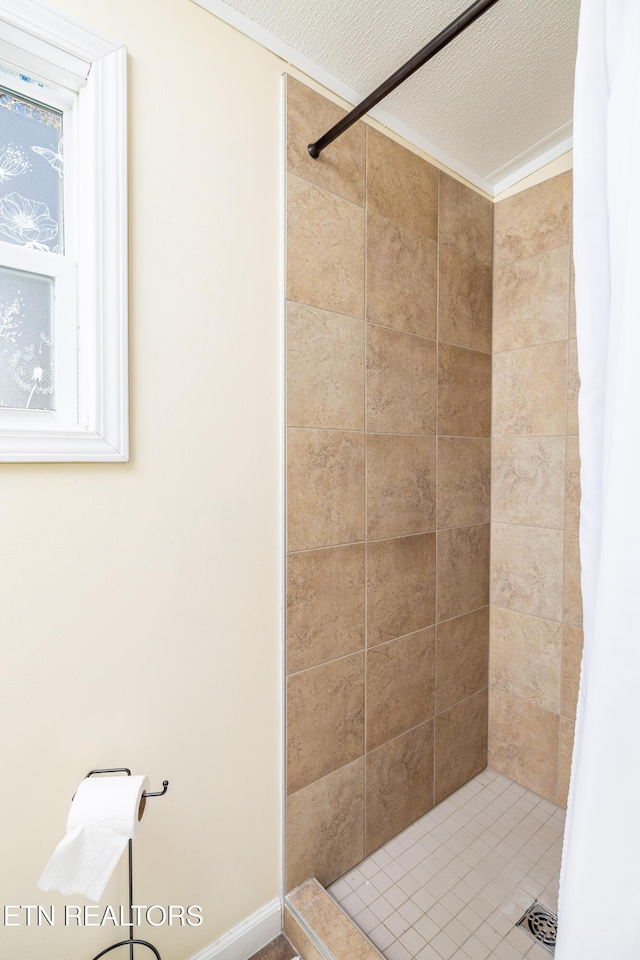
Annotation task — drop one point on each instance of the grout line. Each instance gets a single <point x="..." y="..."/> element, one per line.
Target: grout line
<point x="436" y="339"/>
<point x="564" y="547"/>
<point x="320" y="186"/>
<point x="387" y="326"/>
<point x="491" y="490"/>
<point x="402" y="636"/>
<point x="332" y="313"/>
<point x="534" y="616"/>
<point x="532" y="436"/>
<point x="527" y="526"/>
<point x="325" y="776"/>
<point x="508" y="263"/>
<point x="400" y="536"/>
<point x="366" y="494"/>
<point x="531" y="346"/>
<point x="437" y="484"/>
<point x="397" y="433"/>
<point x="284" y="502"/>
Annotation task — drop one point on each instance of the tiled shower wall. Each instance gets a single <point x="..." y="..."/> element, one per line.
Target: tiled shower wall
<point x="389" y="274"/>
<point x="536" y="613"/>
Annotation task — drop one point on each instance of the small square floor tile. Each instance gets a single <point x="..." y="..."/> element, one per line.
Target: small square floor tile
<point x="397" y="924"/>
<point x="427" y="928"/>
<point x="444" y="945"/>
<point x="453" y="885"/>
<point x="381" y="936"/>
<point x="367" y="920"/>
<point x="428" y="954"/>
<point x="398" y="952"/>
<point x="413" y="941"/>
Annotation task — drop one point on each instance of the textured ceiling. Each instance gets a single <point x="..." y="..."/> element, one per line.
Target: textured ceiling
<point x="501" y="88"/>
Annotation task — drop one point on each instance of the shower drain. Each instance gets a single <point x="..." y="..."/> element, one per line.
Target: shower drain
<point x="541" y="925"/>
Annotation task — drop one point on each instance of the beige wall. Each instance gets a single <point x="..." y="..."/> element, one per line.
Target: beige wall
<point x="388" y="413"/>
<point x="536" y="615"/>
<point x="140" y="602"/>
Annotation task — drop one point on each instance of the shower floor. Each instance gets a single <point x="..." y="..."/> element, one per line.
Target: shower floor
<point x="453" y="885"/>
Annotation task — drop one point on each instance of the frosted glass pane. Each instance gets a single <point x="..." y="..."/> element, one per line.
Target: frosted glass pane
<point x="31" y="170"/>
<point x="26" y="341"/>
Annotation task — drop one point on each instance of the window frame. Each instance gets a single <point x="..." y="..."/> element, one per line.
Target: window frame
<point x="91" y="277"/>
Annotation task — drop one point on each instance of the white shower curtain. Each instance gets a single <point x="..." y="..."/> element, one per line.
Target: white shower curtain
<point x="599" y="910"/>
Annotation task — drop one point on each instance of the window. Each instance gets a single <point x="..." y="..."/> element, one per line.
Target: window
<point x="63" y="250"/>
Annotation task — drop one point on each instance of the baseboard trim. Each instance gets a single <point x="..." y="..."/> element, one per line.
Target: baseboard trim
<point x="248" y="936"/>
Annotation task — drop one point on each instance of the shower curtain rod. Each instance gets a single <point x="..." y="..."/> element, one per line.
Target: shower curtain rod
<point x="434" y="46"/>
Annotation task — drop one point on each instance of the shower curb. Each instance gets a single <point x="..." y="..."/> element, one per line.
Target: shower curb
<point x="319" y="929"/>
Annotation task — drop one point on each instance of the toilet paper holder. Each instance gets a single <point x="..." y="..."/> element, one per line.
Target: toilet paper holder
<point x="131" y="941"/>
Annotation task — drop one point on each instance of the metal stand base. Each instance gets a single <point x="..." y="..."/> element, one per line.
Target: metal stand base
<point x="129" y="943"/>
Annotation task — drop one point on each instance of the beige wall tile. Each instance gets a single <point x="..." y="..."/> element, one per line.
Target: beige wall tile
<point x="325" y="605"/>
<point x="526" y="402"/>
<point x="401" y="382"/>
<point x="464" y="481"/>
<point x="526" y="657"/>
<point x="340" y="169"/>
<point x="399" y="784"/>
<point x="572" y="300"/>
<point x="528" y="480"/>
<point x="401" y="485"/>
<point x="531" y="300"/>
<point x="535" y="220"/>
<point x="325" y="369"/>
<point x="460" y="744"/>
<point x="400" y="586"/>
<point x="401" y="185"/>
<point x="535" y="489"/>
<point x="464" y="392"/>
<point x="325" y="719"/>
<point x="464" y="316"/>
<point x="325" y="826"/>
<point x="526" y="569"/>
<point x="400" y="686"/>
<point x="463" y="570"/>
<point x="571" y="663"/>
<point x="523" y="742"/>
<point x="573" y="387"/>
<point x="462" y="657"/>
<point x="299" y="938"/>
<point x="401" y="277"/>
<point x="572" y="585"/>
<point x="572" y="501"/>
<point x="567" y="734"/>
<point x="336" y="931"/>
<point x="325" y="249"/>
<point x="325" y="488"/>
<point x="466" y="220"/>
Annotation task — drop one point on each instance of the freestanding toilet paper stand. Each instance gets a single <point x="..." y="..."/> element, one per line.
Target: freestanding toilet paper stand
<point x="131" y="940"/>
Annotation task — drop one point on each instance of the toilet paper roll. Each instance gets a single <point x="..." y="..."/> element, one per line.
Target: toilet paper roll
<point x="105" y="813"/>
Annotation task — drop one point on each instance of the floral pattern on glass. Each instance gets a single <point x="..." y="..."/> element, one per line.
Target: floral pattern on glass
<point x="26" y="222"/>
<point x="31" y="174"/>
<point x="27" y="379"/>
<point x="26" y="108"/>
<point x="13" y="162"/>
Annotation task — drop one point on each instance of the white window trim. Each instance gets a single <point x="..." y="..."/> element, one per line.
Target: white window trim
<point x="35" y="39"/>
